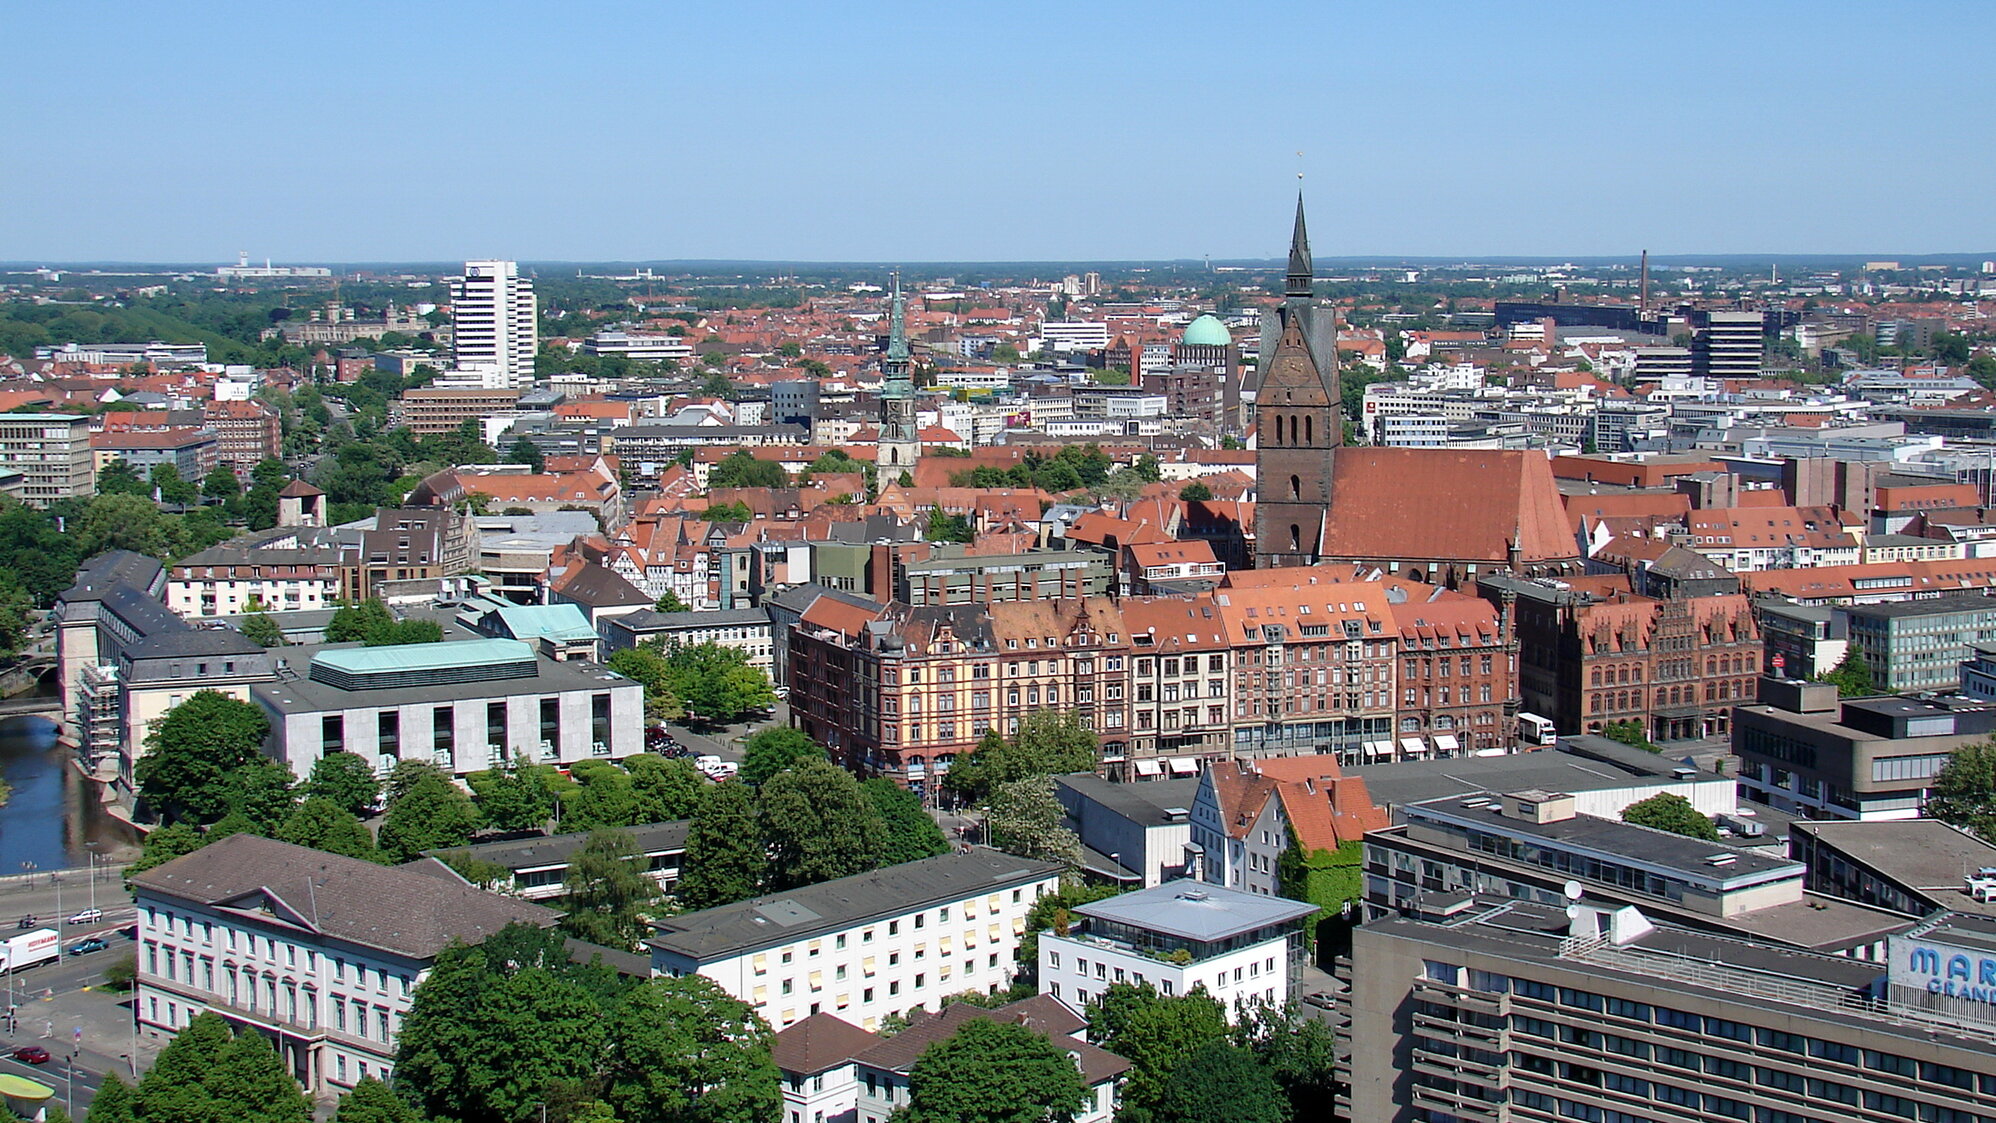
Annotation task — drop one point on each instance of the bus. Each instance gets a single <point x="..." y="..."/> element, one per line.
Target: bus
<point x="1536" y="732"/>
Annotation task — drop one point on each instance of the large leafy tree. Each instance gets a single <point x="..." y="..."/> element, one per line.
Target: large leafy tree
<point x="164" y="844"/>
<point x="1851" y="675"/>
<point x="113" y="1102"/>
<point x="371" y="1101"/>
<point x="324" y="825"/>
<point x="192" y="750"/>
<point x="1155" y="1033"/>
<point x="647" y="666"/>
<point x="1025" y="818"/>
<point x="345" y="779"/>
<point x="819" y="825"/>
<point x="1964" y="793"/>
<point x="434" y="814"/>
<point x="610" y="896"/>
<point x="774" y="749"/>
<point x="208" y="1075"/>
<point x="1299" y="1050"/>
<point x="259" y="791"/>
<point x="664" y="790"/>
<point x="686" y="1050"/>
<point x="715" y="682"/>
<point x="603" y="798"/>
<point x="1668" y="812"/>
<point x="1049" y="742"/>
<point x="251" y="1084"/>
<point x="741" y="469"/>
<point x="517" y="797"/>
<point x="501" y="1027"/>
<point x="910" y="832"/>
<point x="1221" y="1081"/>
<point x="726" y="860"/>
<point x="993" y="1072"/>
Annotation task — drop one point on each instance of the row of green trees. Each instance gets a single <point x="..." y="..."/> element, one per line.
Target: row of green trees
<point x="705" y="681"/>
<point x="807" y="822"/>
<point x="500" y="1030"/>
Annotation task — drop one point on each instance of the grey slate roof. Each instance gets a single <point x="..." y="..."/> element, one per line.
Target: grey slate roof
<point x="411" y="912"/>
<point x="831" y="906"/>
<point x="597" y="586"/>
<point x="1581" y="763"/>
<point x="110" y="569"/>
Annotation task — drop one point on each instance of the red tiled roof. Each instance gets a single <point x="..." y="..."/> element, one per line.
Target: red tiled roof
<point x="1389" y="503"/>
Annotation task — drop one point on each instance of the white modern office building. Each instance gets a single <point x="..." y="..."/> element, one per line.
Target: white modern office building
<point x="496" y="325"/>
<point x="318" y="952"/>
<point x="1239" y="947"/>
<point x="891" y="941"/>
<point x="464" y="705"/>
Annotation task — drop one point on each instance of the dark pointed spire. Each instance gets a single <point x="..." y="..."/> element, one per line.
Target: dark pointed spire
<point x="1301" y="273"/>
<point x="897" y="325"/>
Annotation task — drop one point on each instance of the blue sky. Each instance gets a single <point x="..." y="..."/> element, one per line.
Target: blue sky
<point x="1011" y="131"/>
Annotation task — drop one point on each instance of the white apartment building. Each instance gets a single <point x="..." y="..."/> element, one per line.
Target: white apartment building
<point x="640" y="347"/>
<point x="887" y="942"/>
<point x="319" y="952"/>
<point x="496" y="324"/>
<point x="1239" y="947"/>
<point x="1073" y="335"/>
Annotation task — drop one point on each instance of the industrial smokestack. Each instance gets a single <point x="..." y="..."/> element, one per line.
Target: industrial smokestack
<point x="1642" y="302"/>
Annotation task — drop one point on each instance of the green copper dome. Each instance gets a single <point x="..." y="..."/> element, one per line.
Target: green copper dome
<point x="1207" y="331"/>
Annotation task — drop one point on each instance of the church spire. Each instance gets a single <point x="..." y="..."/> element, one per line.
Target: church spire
<point x="897" y="328"/>
<point x="1299" y="286"/>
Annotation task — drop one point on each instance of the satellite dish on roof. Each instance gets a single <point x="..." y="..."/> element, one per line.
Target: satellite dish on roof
<point x="1573" y="912"/>
<point x="1572" y="890"/>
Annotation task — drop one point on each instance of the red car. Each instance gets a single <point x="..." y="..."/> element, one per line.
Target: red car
<point x="32" y="1055"/>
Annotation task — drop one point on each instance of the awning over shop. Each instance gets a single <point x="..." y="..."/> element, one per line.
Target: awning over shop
<point x="1412" y="746"/>
<point x="1184" y="766"/>
<point x="1446" y="743"/>
<point x="1149" y="768"/>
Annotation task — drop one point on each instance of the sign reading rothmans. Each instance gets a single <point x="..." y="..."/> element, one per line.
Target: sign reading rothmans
<point x="1946" y="966"/>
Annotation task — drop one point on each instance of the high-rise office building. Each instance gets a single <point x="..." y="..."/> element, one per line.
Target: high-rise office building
<point x="496" y="324"/>
<point x="1731" y="345"/>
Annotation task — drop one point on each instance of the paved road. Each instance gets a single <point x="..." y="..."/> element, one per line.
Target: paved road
<point x="726" y="742"/>
<point x="52" y="901"/>
<point x="54" y="1001"/>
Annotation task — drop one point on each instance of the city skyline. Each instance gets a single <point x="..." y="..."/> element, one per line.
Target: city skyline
<point x="801" y="134"/>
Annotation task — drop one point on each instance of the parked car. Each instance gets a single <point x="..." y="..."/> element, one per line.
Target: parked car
<point x="87" y="945"/>
<point x="32" y="1055"/>
<point x="87" y="916"/>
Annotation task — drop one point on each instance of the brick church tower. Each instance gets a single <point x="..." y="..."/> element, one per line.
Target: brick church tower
<point x="1299" y="422"/>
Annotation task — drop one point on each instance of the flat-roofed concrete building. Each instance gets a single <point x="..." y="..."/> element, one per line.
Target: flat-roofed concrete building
<point x="1528" y="1011"/>
<point x="464" y="705"/>
<point x="1532" y="846"/>
<point x="1914" y="867"/>
<point x="52" y="450"/>
<point x="431" y="412"/>
<point x="1920" y="644"/>
<point x="1804" y="751"/>
<point x="1130" y="833"/>
<point x="892" y="941"/>
<point x="1241" y="948"/>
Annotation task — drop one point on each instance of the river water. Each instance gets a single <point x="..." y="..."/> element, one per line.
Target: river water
<point x="52" y="811"/>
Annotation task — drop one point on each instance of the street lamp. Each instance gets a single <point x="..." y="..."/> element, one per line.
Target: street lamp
<point x="92" y="848"/>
